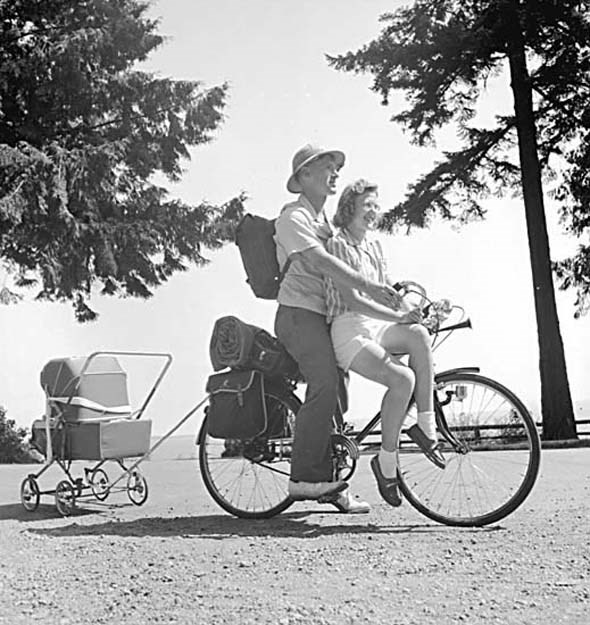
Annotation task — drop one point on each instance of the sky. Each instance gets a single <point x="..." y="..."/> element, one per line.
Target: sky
<point x="282" y="95"/>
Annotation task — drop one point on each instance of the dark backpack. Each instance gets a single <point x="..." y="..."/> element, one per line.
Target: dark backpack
<point x="254" y="238"/>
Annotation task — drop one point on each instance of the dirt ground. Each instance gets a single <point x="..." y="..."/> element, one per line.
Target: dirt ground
<point x="179" y="559"/>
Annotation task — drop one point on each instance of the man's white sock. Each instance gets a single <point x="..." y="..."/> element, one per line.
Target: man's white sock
<point x="388" y="462"/>
<point x="427" y="424"/>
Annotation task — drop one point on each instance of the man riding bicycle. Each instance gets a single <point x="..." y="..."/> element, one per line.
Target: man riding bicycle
<point x="301" y="232"/>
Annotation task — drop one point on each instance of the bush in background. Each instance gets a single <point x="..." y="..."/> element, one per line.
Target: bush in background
<point x="14" y="446"/>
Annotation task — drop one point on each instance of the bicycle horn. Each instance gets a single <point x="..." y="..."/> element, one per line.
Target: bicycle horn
<point x="457" y="326"/>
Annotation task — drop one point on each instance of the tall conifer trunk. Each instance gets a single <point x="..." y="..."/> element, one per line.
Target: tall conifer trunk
<point x="558" y="416"/>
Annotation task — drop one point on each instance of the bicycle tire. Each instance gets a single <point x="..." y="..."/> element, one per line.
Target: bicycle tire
<point x="494" y="467"/>
<point x="239" y="481"/>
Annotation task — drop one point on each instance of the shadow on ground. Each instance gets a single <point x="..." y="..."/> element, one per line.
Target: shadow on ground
<point x="16" y="512"/>
<point x="220" y="526"/>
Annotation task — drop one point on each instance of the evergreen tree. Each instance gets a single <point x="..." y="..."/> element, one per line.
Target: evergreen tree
<point x="83" y="134"/>
<point x="440" y="54"/>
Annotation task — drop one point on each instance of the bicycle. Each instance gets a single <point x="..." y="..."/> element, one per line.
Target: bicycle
<point x="491" y="446"/>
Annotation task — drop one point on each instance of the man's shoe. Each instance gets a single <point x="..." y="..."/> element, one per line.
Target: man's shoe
<point x="300" y="491"/>
<point x="387" y="485"/>
<point x="430" y="448"/>
<point x="347" y="504"/>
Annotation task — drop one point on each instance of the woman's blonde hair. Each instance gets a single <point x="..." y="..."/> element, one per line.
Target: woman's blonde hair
<point x="346" y="202"/>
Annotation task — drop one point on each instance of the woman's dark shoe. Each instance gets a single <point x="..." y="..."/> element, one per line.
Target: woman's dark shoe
<point x="430" y="448"/>
<point x="387" y="485"/>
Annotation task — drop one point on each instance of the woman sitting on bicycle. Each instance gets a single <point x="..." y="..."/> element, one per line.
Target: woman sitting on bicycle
<point x="368" y="337"/>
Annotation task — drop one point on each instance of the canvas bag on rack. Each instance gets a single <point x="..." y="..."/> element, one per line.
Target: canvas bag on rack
<point x="236" y="408"/>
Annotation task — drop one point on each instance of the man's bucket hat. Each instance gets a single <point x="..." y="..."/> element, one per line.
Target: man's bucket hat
<point x="304" y="156"/>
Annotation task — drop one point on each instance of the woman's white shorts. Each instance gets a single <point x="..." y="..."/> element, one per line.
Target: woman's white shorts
<point x="351" y="332"/>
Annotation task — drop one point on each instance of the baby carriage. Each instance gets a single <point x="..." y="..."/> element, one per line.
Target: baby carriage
<point x="88" y="417"/>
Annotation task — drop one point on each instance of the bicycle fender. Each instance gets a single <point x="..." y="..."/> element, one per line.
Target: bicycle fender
<point x="447" y="372"/>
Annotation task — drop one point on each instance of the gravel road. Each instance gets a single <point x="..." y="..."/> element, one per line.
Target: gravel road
<point x="181" y="560"/>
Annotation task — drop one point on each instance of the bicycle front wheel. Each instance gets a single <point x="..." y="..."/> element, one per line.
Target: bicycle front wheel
<point x="492" y="452"/>
<point x="249" y="478"/>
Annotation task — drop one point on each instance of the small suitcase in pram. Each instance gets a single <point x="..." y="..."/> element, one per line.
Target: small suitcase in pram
<point x="88" y="417"/>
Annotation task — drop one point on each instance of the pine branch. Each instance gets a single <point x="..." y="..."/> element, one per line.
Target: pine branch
<point x="431" y="189"/>
<point x="118" y="120"/>
<point x="560" y="105"/>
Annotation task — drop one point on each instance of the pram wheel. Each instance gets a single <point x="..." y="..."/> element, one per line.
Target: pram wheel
<point x="30" y="494"/>
<point x="99" y="484"/>
<point x="137" y="488"/>
<point x="65" y="498"/>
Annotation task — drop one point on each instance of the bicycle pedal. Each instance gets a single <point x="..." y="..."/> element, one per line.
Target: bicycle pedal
<point x="331" y="497"/>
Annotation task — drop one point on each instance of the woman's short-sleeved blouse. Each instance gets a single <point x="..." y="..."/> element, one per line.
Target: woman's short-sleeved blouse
<point x="366" y="257"/>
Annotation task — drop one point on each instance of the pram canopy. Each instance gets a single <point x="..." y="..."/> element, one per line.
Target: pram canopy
<point x="86" y="390"/>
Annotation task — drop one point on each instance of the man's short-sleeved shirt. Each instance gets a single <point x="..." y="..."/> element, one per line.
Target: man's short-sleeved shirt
<point x="297" y="229"/>
<point x="366" y="257"/>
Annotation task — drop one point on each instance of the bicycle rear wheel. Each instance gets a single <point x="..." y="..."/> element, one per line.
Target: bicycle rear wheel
<point x="249" y="478"/>
<point x="492" y="452"/>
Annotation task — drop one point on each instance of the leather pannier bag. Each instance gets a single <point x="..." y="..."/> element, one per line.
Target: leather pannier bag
<point x="269" y="356"/>
<point x="236" y="408"/>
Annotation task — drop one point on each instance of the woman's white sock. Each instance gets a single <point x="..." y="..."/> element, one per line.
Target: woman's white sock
<point x="427" y="423"/>
<point x="388" y="462"/>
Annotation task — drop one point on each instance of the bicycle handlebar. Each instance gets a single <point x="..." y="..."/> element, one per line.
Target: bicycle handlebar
<point x="435" y="313"/>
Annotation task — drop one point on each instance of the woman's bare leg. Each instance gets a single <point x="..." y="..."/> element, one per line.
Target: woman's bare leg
<point x="414" y="340"/>
<point x="374" y="363"/>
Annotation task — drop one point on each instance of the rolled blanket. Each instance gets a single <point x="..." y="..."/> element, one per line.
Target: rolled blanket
<point x="231" y="343"/>
<point x="241" y="345"/>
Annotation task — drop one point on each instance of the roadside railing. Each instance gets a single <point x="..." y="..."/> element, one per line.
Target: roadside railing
<point x="582" y="427"/>
<point x="478" y="436"/>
